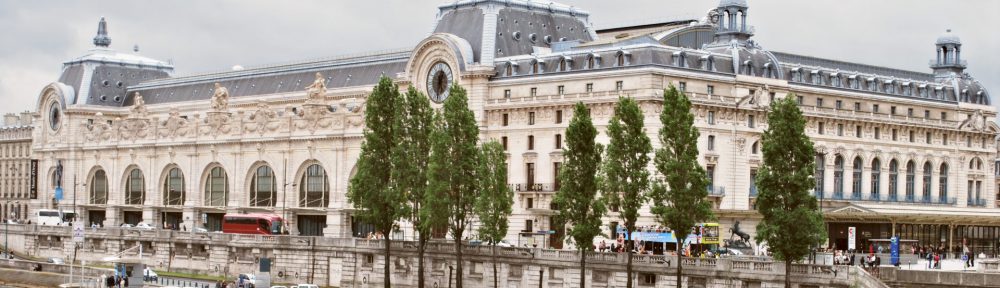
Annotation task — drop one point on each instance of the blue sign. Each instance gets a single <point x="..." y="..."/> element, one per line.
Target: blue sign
<point x="59" y="193"/>
<point x="894" y="251"/>
<point x="665" y="237"/>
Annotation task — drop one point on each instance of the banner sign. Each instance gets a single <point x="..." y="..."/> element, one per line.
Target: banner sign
<point x="852" y="233"/>
<point x="59" y="193"/>
<point x="33" y="180"/>
<point x="894" y="251"/>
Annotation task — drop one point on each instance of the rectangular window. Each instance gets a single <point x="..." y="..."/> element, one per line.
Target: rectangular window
<point x="534" y="91"/>
<point x="619" y="85"/>
<point x="711" y="90"/>
<point x="877" y="130"/>
<point x="927" y="137"/>
<point x="711" y="117"/>
<point x="555" y="172"/>
<point x="857" y="106"/>
<point x="895" y="135"/>
<point x="531" y="142"/>
<point x="530" y="176"/>
<point x="944" y="139"/>
<point x="968" y="141"/>
<point x="561" y="89"/>
<point x="927" y="114"/>
<point x="912" y="137"/>
<point x="590" y="87"/>
<point x="874" y="108"/>
<point x="558" y="116"/>
<point x="909" y="112"/>
<point x="857" y="131"/>
<point x="819" y="102"/>
<point x="799" y="100"/>
<point x="506" y="94"/>
<point x="771" y="97"/>
<point x="503" y="141"/>
<point x="531" y="118"/>
<point x="840" y="129"/>
<point x="682" y="86"/>
<point x="558" y="141"/>
<point x="750" y="121"/>
<point x="505" y="119"/>
<point x="944" y="116"/>
<point x="892" y="110"/>
<point x="710" y="172"/>
<point x="528" y="225"/>
<point x="530" y="203"/>
<point x="820" y="129"/>
<point x="753" y="91"/>
<point x="839" y="104"/>
<point x="711" y="142"/>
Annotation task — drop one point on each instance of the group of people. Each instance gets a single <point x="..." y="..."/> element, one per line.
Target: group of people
<point x="116" y="281"/>
<point x="870" y="263"/>
<point x="16" y="221"/>
<point x="375" y="236"/>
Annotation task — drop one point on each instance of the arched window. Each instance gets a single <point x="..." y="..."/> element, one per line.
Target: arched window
<point x="876" y="178"/>
<point x="755" y="147"/>
<point x="564" y="64"/>
<point x="135" y="188"/>
<point x="593" y="61"/>
<point x="943" y="184"/>
<point x="216" y="187"/>
<point x="838" y="177"/>
<point x="911" y="174"/>
<point x="893" y="180"/>
<point x="820" y="174"/>
<point x="314" y="188"/>
<point x="99" y="188"/>
<point x="928" y="175"/>
<point x="680" y="59"/>
<point x="173" y="187"/>
<point x="856" y="182"/>
<point x="622" y="58"/>
<point x="263" y="189"/>
<point x="537" y="66"/>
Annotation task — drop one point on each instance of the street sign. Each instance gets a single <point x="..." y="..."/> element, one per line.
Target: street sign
<point x="852" y="233"/>
<point x="78" y="232"/>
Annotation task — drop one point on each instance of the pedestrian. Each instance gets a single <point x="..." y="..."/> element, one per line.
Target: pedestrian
<point x="930" y="259"/>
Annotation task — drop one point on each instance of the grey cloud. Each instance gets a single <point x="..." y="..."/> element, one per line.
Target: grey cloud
<point x="202" y="36"/>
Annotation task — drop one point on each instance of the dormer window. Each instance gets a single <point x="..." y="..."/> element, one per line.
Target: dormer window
<point x="708" y="63"/>
<point x="797" y="75"/>
<point x="593" y="61"/>
<point x="852" y="81"/>
<point x="965" y="95"/>
<point x="835" y="79"/>
<point x="748" y="68"/>
<point x="768" y="70"/>
<point x="565" y="64"/>
<point x="680" y="59"/>
<point x="939" y="92"/>
<point x="980" y="98"/>
<point x="510" y="69"/>
<point x="922" y="90"/>
<point x="889" y="87"/>
<point x="817" y="77"/>
<point x="622" y="58"/>
<point x="872" y="84"/>
<point x="537" y="66"/>
<point x="907" y="90"/>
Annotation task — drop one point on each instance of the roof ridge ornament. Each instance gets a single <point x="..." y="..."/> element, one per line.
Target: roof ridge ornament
<point x="102" y="39"/>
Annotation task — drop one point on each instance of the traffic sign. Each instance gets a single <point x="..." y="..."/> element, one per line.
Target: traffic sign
<point x="78" y="232"/>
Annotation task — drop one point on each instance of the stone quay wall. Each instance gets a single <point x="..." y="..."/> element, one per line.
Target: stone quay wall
<point x="343" y="262"/>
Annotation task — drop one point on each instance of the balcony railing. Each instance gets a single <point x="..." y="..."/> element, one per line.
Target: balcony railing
<point x="976" y="202"/>
<point x="838" y="196"/>
<point x="910" y="199"/>
<point x="534" y="187"/>
<point x="877" y="197"/>
<point x="716" y="191"/>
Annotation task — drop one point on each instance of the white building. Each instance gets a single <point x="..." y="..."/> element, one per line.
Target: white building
<point x="900" y="151"/>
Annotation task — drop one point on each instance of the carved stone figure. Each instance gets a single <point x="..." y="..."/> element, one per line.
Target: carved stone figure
<point x="261" y="120"/>
<point x="977" y="121"/>
<point x="175" y="125"/>
<point x="220" y="99"/>
<point x="317" y="89"/>
<point x="139" y="107"/>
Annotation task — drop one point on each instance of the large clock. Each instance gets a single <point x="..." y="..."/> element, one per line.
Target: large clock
<point x="439" y="79"/>
<point x="54" y="116"/>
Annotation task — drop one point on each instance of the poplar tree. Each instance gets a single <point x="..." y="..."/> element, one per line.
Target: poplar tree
<point x="577" y="198"/>
<point x="411" y="160"/>
<point x="625" y="169"/>
<point x="495" y="201"/>
<point x="681" y="203"/>
<point x="452" y="174"/>
<point x="373" y="190"/>
<point x="791" y="224"/>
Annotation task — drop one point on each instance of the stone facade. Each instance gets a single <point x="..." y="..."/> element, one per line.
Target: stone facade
<point x="16" y="166"/>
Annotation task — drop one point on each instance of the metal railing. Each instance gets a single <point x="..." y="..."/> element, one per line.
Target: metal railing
<point x="716" y="191"/>
<point x="534" y="187"/>
<point x="976" y="202"/>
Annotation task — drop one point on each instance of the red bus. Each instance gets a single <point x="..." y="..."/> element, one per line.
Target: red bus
<point x="265" y="224"/>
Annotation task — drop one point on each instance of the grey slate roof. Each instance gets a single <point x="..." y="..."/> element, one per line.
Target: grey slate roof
<point x="855" y="67"/>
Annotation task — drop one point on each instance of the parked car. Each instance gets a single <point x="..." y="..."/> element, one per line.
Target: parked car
<point x="249" y="281"/>
<point x="149" y="275"/>
<point x="55" y="260"/>
<point x="144" y="226"/>
<point x="126" y="225"/>
<point x="199" y="230"/>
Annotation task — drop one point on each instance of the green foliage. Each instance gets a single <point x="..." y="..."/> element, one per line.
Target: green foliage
<point x="495" y="201"/>
<point x="577" y="198"/>
<point x="411" y="160"/>
<point x="373" y="191"/>
<point x="625" y="168"/>
<point x="681" y="203"/>
<point x="791" y="223"/>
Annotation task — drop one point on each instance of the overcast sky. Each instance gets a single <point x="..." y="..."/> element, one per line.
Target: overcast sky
<point x="203" y="36"/>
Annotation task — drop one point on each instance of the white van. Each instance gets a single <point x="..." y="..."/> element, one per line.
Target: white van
<point x="53" y="217"/>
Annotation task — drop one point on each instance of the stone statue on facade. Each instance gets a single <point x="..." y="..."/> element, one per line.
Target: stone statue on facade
<point x="317" y="90"/>
<point x="977" y="121"/>
<point x="139" y="107"/>
<point x="220" y="98"/>
<point x="711" y="17"/>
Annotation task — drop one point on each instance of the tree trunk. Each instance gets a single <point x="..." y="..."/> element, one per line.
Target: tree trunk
<point x="388" y="273"/>
<point x="421" y="245"/>
<point x="788" y="273"/>
<point x="458" y="265"/>
<point x="583" y="268"/>
<point x="628" y="263"/>
<point x="496" y="282"/>
<point x="679" y="264"/>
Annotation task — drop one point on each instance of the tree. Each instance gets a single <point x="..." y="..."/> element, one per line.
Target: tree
<point x="680" y="204"/>
<point x="373" y="190"/>
<point x="577" y="198"/>
<point x="452" y="174"/>
<point x="791" y="224"/>
<point x="411" y="159"/>
<point x="626" y="175"/>
<point x="495" y="201"/>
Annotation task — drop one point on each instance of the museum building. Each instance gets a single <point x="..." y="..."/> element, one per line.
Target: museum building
<point x="898" y="152"/>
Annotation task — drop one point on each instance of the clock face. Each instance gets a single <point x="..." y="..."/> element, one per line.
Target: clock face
<point x="439" y="79"/>
<point x="54" y="116"/>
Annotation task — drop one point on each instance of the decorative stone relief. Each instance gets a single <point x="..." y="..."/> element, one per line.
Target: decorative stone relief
<point x="220" y="98"/>
<point x="740" y="142"/>
<point x="174" y="126"/>
<point x="217" y="123"/>
<point x="317" y="90"/>
<point x="313" y="117"/>
<point x="98" y="131"/>
<point x="261" y="120"/>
